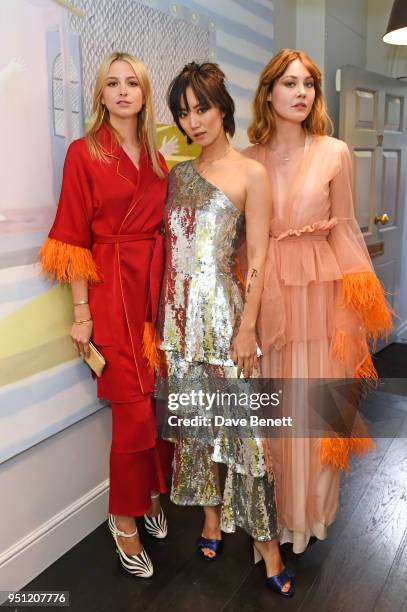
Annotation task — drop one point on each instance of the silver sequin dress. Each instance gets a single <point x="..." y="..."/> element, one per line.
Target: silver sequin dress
<point x="200" y="309"/>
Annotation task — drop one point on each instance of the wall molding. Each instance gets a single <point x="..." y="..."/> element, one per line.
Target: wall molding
<point x="29" y="556"/>
<point x="401" y="331"/>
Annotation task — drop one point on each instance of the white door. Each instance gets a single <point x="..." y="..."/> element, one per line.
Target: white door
<point x="373" y="123"/>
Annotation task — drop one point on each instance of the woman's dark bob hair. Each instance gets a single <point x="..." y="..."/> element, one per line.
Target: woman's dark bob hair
<point x="207" y="81"/>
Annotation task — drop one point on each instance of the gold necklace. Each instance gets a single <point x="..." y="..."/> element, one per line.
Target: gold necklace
<point x="201" y="173"/>
<point x="286" y="156"/>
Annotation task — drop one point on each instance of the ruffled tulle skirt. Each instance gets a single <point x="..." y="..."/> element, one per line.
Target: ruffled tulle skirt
<point x="308" y="331"/>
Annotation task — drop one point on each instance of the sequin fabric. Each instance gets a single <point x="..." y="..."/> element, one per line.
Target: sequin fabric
<point x="202" y="299"/>
<point x="200" y="310"/>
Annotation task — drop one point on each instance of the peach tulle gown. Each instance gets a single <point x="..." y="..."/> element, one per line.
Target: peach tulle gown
<point x="321" y="303"/>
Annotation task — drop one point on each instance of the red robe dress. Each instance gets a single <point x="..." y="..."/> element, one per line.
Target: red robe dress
<point x="113" y="213"/>
<point x="108" y="230"/>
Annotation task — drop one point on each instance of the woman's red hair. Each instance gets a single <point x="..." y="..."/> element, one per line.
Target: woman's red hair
<point x="263" y="125"/>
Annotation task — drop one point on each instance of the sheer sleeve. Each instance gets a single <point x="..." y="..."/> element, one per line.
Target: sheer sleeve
<point x="271" y="320"/>
<point x="66" y="253"/>
<point x="361" y="289"/>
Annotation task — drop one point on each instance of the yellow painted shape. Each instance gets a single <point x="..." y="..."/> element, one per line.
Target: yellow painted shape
<point x="185" y="151"/>
<point x="42" y="320"/>
<point x="36" y="336"/>
<point x="39" y="359"/>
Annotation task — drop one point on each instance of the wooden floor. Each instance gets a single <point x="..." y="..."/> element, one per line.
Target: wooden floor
<point x="360" y="567"/>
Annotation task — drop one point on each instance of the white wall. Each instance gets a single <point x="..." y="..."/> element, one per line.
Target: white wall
<point x="345" y="44"/>
<point x="333" y="33"/>
<point x="311" y="30"/>
<point x="52" y="496"/>
<point x="285" y="22"/>
<point x="386" y="59"/>
<point x="24" y="116"/>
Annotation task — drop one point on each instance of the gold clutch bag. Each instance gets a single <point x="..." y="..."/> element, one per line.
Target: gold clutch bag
<point x="95" y="361"/>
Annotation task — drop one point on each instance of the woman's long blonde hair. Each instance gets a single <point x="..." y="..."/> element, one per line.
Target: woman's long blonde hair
<point x="263" y="125"/>
<point x="100" y="116"/>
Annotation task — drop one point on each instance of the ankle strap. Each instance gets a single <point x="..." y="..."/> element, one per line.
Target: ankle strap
<point x="154" y="495"/>
<point x="112" y="524"/>
<point x="126" y="535"/>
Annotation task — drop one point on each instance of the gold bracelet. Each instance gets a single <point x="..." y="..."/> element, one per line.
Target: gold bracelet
<point x="83" y="321"/>
<point x="81" y="302"/>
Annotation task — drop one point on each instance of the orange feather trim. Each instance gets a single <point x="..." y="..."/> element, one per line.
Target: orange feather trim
<point x="238" y="271"/>
<point x="335" y="451"/>
<point x="65" y="262"/>
<point x="364" y="292"/>
<point x="343" y="351"/>
<point x="150" y="345"/>
<point x="367" y="370"/>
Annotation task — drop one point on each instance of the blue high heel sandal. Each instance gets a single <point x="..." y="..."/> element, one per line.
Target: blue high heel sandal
<point x="276" y="583"/>
<point x="215" y="545"/>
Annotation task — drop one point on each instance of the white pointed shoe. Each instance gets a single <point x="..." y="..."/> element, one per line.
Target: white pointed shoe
<point x="140" y="565"/>
<point x="156" y="526"/>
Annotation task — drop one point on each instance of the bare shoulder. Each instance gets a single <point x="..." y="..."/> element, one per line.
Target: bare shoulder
<point x="252" y="168"/>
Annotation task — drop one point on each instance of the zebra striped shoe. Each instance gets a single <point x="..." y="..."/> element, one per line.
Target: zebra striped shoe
<point x="156" y="525"/>
<point x="139" y="565"/>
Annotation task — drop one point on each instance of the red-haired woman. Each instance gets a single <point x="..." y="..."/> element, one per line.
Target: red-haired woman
<point x="322" y="300"/>
<point x="106" y="242"/>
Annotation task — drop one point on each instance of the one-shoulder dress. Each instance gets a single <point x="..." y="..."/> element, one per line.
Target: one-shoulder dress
<point x="200" y="310"/>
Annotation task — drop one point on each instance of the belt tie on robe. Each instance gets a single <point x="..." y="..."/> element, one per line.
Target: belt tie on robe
<point x="156" y="264"/>
<point x="302" y="236"/>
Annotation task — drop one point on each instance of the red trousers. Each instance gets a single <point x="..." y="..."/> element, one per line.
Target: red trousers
<point x="139" y="463"/>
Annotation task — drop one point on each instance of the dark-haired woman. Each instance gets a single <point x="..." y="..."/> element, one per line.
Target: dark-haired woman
<point x="207" y="320"/>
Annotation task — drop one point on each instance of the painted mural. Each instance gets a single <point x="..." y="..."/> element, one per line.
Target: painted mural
<point x="49" y="51"/>
<point x="44" y="103"/>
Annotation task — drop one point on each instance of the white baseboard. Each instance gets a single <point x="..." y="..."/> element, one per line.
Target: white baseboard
<point x="401" y="331"/>
<point x="28" y="557"/>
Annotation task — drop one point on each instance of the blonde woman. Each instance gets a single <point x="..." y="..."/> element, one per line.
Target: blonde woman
<point x="106" y="242"/>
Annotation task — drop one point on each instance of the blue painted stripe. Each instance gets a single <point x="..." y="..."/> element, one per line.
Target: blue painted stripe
<point x="17" y="242"/>
<point x="234" y="27"/>
<point x="21" y="397"/>
<point x="183" y="11"/>
<point x="240" y="92"/>
<point x="24" y="444"/>
<point x="23" y="290"/>
<point x="258" y="9"/>
<point x="240" y="61"/>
